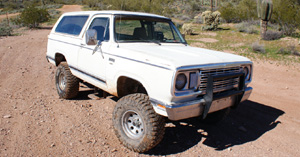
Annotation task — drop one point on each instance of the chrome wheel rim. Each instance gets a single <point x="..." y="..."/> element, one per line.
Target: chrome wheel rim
<point x="62" y="81"/>
<point x="133" y="124"/>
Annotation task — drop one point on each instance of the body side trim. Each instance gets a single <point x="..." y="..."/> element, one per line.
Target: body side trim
<point x="92" y="76"/>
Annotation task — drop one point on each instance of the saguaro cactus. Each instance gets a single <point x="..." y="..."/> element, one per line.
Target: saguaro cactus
<point x="264" y="11"/>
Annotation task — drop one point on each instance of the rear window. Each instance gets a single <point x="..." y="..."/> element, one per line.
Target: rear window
<point x="71" y="24"/>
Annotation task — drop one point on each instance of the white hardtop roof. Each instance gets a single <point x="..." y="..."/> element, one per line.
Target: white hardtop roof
<point x="113" y="12"/>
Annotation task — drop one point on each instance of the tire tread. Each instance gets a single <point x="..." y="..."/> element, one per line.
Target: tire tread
<point x="157" y="122"/>
<point x="72" y="83"/>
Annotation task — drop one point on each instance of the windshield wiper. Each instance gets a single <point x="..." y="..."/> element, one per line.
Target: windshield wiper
<point x="154" y="41"/>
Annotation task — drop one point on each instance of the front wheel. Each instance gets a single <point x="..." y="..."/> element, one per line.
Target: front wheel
<point x="136" y="124"/>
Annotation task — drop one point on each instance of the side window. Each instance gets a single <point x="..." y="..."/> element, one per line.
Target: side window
<point x="101" y="25"/>
<point x="71" y="24"/>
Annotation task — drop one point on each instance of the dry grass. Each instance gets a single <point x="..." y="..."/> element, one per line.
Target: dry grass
<point x="230" y="39"/>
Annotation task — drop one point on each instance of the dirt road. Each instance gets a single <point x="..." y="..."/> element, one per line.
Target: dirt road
<point x="35" y="122"/>
<point x="70" y="8"/>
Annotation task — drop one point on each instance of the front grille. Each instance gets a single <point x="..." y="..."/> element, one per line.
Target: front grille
<point x="220" y="85"/>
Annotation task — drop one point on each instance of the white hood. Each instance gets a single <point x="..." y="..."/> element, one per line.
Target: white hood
<point x="173" y="56"/>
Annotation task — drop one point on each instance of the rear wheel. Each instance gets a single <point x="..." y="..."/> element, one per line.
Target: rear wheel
<point x="136" y="124"/>
<point x="67" y="85"/>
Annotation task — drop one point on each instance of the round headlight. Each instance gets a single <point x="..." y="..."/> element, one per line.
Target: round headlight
<point x="180" y="81"/>
<point x="246" y="71"/>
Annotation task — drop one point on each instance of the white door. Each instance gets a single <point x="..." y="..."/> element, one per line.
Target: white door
<point x="92" y="65"/>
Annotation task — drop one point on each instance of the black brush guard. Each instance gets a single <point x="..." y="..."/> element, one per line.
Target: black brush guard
<point x="209" y="97"/>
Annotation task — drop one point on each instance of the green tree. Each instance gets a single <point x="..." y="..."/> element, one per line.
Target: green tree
<point x="31" y="16"/>
<point x="287" y="14"/>
<point x="236" y="11"/>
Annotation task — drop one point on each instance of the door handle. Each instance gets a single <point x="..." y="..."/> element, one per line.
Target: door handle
<point x="111" y="61"/>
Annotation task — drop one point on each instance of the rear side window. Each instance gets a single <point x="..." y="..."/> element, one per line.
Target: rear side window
<point x="71" y="24"/>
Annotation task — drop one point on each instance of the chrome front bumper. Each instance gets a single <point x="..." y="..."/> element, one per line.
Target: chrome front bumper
<point x="178" y="111"/>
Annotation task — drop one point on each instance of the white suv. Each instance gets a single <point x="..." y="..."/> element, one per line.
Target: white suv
<point x="144" y="60"/>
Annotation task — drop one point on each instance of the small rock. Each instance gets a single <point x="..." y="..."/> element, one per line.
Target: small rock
<point x="171" y="125"/>
<point x="7" y="116"/>
<point x="204" y="133"/>
<point x="242" y="129"/>
<point x="229" y="149"/>
<point x="52" y="145"/>
<point x="114" y="150"/>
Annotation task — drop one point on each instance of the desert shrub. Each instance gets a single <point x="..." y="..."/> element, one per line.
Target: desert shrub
<point x="272" y="35"/>
<point x="286" y="13"/>
<point x="229" y="12"/>
<point x="178" y="25"/>
<point x="237" y="11"/>
<point x="53" y="13"/>
<point x="31" y="17"/>
<point x="253" y="22"/>
<point x="5" y="29"/>
<point x="246" y="27"/>
<point x="187" y="29"/>
<point x="290" y="50"/>
<point x="256" y="47"/>
<point x="274" y="26"/>
<point x="9" y="5"/>
<point x="68" y="1"/>
<point x="91" y="3"/>
<point x="211" y="20"/>
<point x="4" y="11"/>
<point x="247" y="10"/>
<point x="51" y="6"/>
<point x="198" y="20"/>
<point x="160" y="7"/>
<point x="195" y="6"/>
<point x="14" y="23"/>
<point x="184" y="18"/>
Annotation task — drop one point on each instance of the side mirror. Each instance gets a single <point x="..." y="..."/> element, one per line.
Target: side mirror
<point x="91" y="37"/>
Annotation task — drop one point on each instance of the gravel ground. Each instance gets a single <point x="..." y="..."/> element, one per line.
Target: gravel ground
<point x="35" y="122"/>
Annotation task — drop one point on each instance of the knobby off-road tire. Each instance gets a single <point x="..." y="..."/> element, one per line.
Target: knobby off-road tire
<point x="136" y="124"/>
<point x="216" y="117"/>
<point x="67" y="85"/>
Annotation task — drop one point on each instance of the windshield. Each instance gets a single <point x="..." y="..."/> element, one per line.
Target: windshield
<point x="146" y="29"/>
